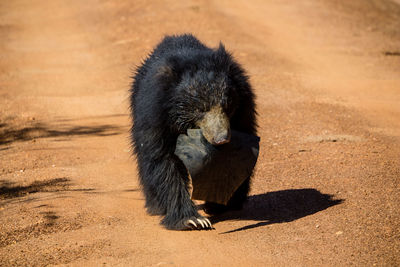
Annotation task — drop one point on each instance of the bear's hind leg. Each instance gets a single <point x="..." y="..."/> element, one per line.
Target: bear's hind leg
<point x="212" y="208"/>
<point x="235" y="203"/>
<point x="240" y="196"/>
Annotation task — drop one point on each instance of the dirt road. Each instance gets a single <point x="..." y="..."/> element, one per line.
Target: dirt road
<point x="326" y="190"/>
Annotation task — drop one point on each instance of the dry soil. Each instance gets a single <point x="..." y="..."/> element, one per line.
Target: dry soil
<point x="326" y="189"/>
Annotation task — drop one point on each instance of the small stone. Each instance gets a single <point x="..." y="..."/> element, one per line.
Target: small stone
<point x="339" y="232"/>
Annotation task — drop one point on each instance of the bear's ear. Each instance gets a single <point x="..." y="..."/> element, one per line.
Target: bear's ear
<point x="223" y="59"/>
<point x="221" y="49"/>
<point x="221" y="54"/>
<point x="168" y="72"/>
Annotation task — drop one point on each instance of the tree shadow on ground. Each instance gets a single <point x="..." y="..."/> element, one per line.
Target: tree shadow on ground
<point x="12" y="190"/>
<point x="279" y="207"/>
<point x="10" y="133"/>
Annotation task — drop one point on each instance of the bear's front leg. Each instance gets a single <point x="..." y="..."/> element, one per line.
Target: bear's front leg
<point x="181" y="213"/>
<point x="167" y="186"/>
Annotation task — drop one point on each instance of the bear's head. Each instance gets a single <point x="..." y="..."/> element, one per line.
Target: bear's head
<point x="202" y="92"/>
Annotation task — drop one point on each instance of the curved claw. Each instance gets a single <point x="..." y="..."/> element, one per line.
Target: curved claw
<point x="190" y="222"/>
<point x="198" y="223"/>
<point x="201" y="222"/>
<point x="208" y="222"/>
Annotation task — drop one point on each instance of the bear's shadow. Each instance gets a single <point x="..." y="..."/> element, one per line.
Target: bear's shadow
<point x="278" y="207"/>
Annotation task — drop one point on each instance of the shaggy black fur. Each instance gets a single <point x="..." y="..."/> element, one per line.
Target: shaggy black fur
<point x="172" y="90"/>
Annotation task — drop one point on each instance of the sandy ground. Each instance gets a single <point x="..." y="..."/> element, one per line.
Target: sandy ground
<point x="326" y="189"/>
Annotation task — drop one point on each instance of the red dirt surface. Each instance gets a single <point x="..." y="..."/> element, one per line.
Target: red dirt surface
<point x="326" y="188"/>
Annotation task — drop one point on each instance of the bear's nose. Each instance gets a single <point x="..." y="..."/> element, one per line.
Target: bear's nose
<point x="222" y="138"/>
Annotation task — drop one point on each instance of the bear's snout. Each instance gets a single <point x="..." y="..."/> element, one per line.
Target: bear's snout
<point x="215" y="126"/>
<point x="222" y="138"/>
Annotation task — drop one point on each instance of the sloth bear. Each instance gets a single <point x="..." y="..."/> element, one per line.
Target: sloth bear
<point x="184" y="84"/>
